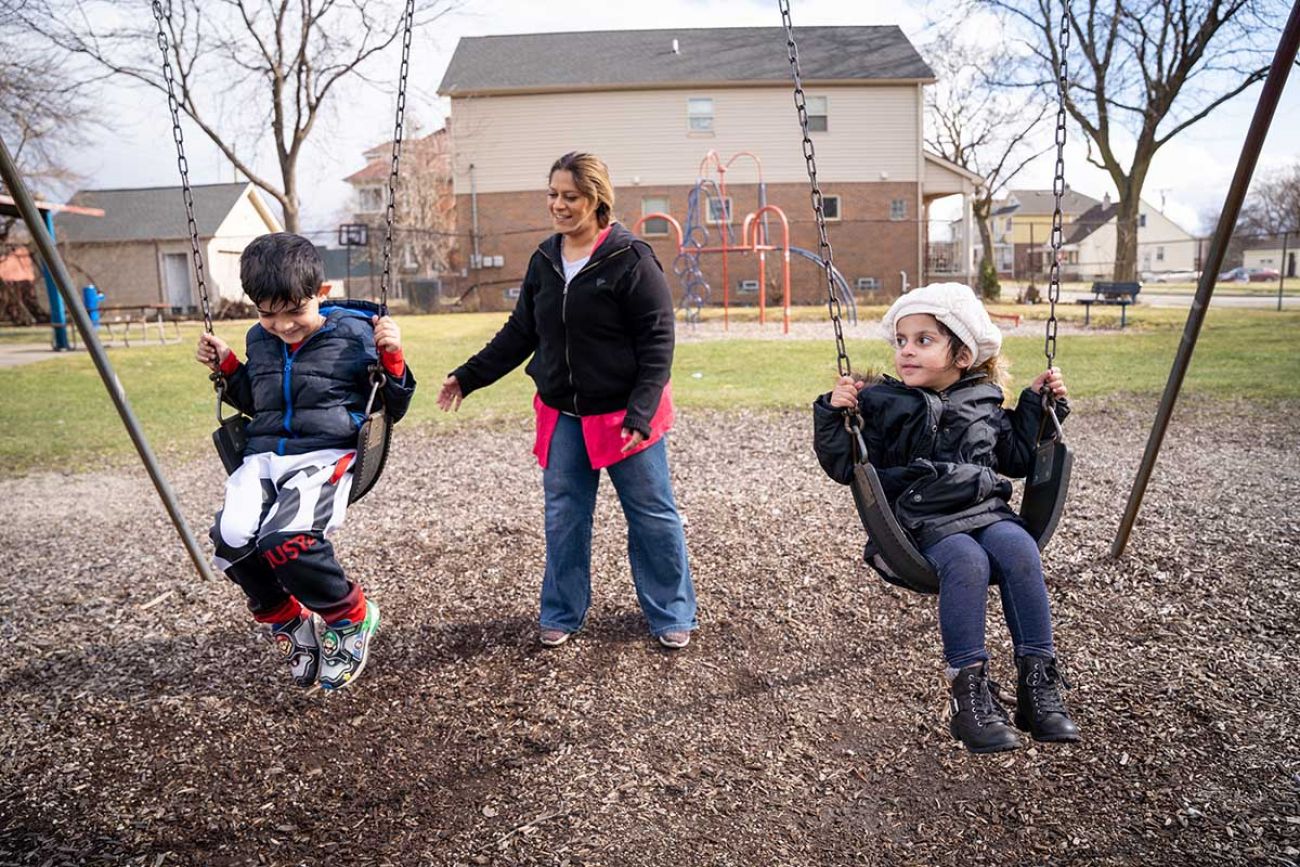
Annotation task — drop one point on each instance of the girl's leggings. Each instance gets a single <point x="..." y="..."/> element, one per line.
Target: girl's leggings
<point x="967" y="563"/>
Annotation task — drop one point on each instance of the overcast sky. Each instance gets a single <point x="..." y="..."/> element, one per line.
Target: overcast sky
<point x="1191" y="173"/>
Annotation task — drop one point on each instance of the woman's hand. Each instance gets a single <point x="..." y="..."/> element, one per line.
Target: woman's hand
<point x="212" y="351"/>
<point x="450" y="396"/>
<point x="388" y="337"/>
<point x="632" y="439"/>
<point x="1052" y="379"/>
<point x="845" y="394"/>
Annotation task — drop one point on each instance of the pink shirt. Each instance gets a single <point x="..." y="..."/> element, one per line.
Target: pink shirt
<point x="602" y="434"/>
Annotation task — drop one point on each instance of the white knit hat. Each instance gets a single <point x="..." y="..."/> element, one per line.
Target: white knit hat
<point x="955" y="305"/>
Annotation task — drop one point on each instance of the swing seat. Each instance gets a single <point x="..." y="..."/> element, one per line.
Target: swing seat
<point x="890" y="550"/>
<point x="373" y="439"/>
<point x="372" y="453"/>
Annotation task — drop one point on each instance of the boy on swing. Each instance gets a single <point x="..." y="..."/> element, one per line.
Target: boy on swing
<point x="305" y="385"/>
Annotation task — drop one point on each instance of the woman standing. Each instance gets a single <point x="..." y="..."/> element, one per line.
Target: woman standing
<point x="596" y="315"/>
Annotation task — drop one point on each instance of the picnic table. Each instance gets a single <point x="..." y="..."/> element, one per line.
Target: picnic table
<point x="117" y="320"/>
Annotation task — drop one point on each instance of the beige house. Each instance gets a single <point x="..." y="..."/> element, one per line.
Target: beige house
<point x="1269" y="254"/>
<point x="653" y="103"/>
<point x="139" y="251"/>
<point x="1162" y="244"/>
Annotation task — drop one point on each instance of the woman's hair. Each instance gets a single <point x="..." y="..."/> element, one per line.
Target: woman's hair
<point x="996" y="368"/>
<point x="591" y="177"/>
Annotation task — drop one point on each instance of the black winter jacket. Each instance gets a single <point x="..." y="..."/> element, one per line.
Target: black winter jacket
<point x="604" y="344"/>
<point x="315" y="396"/>
<point x="940" y="456"/>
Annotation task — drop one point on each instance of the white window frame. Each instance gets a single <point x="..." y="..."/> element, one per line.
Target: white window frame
<point x="818" y="107"/>
<point x="839" y="207"/>
<point x="728" y="210"/>
<point x="364" y="208"/>
<point x="1160" y="254"/>
<point x="898" y="209"/>
<point x="646" y="209"/>
<point x="699" y="122"/>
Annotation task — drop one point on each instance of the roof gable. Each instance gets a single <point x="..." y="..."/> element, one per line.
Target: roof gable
<point x="624" y="59"/>
<point x="149" y="213"/>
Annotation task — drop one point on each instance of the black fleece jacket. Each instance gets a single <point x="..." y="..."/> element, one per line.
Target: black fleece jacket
<point x="603" y="344"/>
<point x="940" y="456"/>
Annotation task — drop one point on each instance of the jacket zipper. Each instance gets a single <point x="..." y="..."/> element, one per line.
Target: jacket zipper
<point x="288" y="392"/>
<point x="564" y="312"/>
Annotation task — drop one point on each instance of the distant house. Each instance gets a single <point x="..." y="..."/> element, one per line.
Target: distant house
<point x="139" y="251"/>
<point x="1024" y="221"/>
<point x="1162" y="244"/>
<point x="424" y="212"/>
<point x="653" y="103"/>
<point x="1268" y="253"/>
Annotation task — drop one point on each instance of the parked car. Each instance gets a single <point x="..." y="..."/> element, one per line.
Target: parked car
<point x="1259" y="275"/>
<point x="1171" y="276"/>
<point x="1235" y="275"/>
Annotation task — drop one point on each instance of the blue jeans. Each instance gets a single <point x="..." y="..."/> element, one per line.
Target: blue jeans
<point x="656" y="545"/>
<point x="1005" y="554"/>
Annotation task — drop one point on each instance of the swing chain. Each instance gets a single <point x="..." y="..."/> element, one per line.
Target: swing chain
<point x="810" y="159"/>
<point x="182" y="163"/>
<point x="1058" y="187"/>
<point x="408" y="19"/>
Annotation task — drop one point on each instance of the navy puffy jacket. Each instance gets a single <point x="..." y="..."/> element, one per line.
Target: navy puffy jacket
<point x="314" y="397"/>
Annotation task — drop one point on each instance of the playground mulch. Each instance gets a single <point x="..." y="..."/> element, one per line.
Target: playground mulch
<point x="144" y="723"/>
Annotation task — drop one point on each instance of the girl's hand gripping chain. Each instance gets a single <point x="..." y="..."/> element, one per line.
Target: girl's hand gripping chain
<point x="845" y="393"/>
<point x="1050" y="378"/>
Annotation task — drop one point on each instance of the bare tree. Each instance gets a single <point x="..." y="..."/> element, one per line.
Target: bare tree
<point x="241" y="66"/>
<point x="1141" y="72"/>
<point x="1273" y="206"/>
<point x="978" y="123"/>
<point x="426" y="201"/>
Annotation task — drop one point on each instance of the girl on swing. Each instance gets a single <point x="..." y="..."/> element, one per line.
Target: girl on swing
<point x="941" y="442"/>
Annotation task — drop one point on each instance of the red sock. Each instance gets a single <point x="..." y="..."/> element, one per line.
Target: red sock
<point x="354" y="614"/>
<point x="283" y="613"/>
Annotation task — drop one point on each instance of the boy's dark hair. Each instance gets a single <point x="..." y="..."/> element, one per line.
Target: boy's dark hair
<point x="281" y="269"/>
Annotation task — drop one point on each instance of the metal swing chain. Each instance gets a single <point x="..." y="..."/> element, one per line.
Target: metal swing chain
<point x="810" y="158"/>
<point x="1058" y="192"/>
<point x="408" y="19"/>
<point x="1058" y="188"/>
<point x="160" y="15"/>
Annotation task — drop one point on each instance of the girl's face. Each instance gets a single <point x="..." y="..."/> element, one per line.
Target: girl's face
<point x="923" y="353"/>
<point x="571" y="211"/>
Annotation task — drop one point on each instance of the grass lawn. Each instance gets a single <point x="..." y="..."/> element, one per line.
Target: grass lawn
<point x="56" y="415"/>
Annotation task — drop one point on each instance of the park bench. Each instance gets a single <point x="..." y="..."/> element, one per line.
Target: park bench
<point x="1104" y="292"/>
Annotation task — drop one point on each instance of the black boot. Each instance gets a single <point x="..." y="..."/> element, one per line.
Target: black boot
<point x="978" y="720"/>
<point x="1040" y="710"/>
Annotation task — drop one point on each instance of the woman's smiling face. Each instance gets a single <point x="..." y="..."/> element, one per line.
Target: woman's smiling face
<point x="571" y="211"/>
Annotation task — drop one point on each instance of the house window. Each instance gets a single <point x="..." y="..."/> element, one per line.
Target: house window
<point x="1142" y="221"/>
<point x="699" y="114"/>
<point x="817" y="113"/>
<point x="831" y="207"/>
<point x="719" y="209"/>
<point x="1008" y="224"/>
<point x="658" y="227"/>
<point x="1160" y="254"/>
<point x="898" y="209"/>
<point x="370" y="200"/>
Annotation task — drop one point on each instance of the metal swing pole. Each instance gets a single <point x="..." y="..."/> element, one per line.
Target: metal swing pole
<point x="45" y="244"/>
<point x="1268" y="100"/>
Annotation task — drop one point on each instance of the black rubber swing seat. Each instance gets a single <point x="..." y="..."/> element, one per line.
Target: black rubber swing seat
<point x="895" y="557"/>
<point x="373" y="440"/>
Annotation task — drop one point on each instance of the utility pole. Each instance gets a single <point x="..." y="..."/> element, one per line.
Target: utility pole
<point x="1281" y="270"/>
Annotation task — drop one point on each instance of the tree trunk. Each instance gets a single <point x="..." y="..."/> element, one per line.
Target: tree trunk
<point x="1126" y="235"/>
<point x="989" y="285"/>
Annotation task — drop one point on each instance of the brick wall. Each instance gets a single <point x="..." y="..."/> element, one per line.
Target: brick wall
<point x="866" y="241"/>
